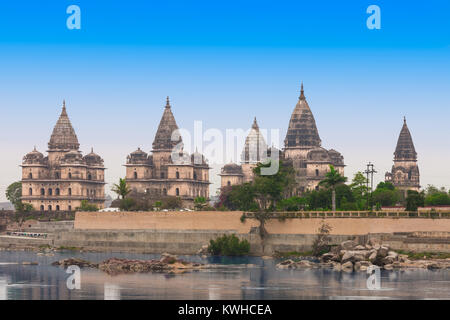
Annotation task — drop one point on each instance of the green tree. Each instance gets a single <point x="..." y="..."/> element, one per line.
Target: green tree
<point x="414" y="200"/>
<point x="436" y="197"/>
<point x="199" y="203"/>
<point x="386" y="194"/>
<point x="333" y="179"/>
<point x="359" y="190"/>
<point x="14" y="194"/>
<point x="121" y="188"/>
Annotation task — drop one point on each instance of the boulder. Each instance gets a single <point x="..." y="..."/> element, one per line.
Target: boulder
<point x="348" y="245"/>
<point x="329" y="257"/>
<point x="362" y="265"/>
<point x="373" y="256"/>
<point x="353" y="256"/>
<point x="382" y="252"/>
<point x="388" y="267"/>
<point x="393" y="254"/>
<point x="387" y="260"/>
<point x="347" y="267"/>
<point x="403" y="258"/>
<point x="360" y="247"/>
<point x="368" y="247"/>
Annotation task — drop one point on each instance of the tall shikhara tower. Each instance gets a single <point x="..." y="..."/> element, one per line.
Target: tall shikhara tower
<point x="405" y="172"/>
<point x="302" y="146"/>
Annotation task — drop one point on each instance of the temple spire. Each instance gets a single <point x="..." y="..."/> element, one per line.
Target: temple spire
<point x="302" y="130"/>
<point x="405" y="146"/>
<point x="302" y="93"/>
<point x="63" y="136"/>
<point x="167" y="125"/>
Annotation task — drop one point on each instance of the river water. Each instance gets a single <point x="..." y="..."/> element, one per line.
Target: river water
<point x="240" y="278"/>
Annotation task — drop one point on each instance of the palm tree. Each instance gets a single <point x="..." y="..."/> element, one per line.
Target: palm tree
<point x="121" y="189"/>
<point x="332" y="179"/>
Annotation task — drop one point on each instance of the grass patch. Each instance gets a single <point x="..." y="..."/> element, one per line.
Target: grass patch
<point x="430" y="255"/>
<point x="69" y="248"/>
<point x="295" y="254"/>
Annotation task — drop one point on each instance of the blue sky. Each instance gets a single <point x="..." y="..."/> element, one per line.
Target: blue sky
<point x="224" y="62"/>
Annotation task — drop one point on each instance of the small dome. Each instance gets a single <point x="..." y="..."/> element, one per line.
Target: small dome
<point x="336" y="157"/>
<point x="198" y="159"/>
<point x="138" y="157"/>
<point x="318" y="154"/>
<point x="232" y="168"/>
<point x="33" y="157"/>
<point x="93" y="158"/>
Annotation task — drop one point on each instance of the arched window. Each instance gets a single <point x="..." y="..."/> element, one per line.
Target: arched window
<point x="56" y="175"/>
<point x="195" y="176"/>
<point x="70" y="175"/>
<point x="317" y="188"/>
<point x="30" y="191"/>
<point x="177" y="174"/>
<point x="70" y="191"/>
<point x="42" y="207"/>
<point x="317" y="172"/>
<point x="30" y="176"/>
<point x="50" y="191"/>
<point x="165" y="191"/>
<point x="57" y="191"/>
<point x="57" y="207"/>
<point x="177" y="191"/>
<point x="228" y="183"/>
<point x="135" y="175"/>
<point x="89" y="176"/>
<point x="42" y="191"/>
<point x="162" y="175"/>
<point x="70" y="208"/>
<point x="49" y="207"/>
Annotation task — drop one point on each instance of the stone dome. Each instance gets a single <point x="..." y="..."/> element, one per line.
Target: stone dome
<point x="138" y="157"/>
<point x="33" y="157"/>
<point x="93" y="158"/>
<point x="232" y="168"/>
<point x="336" y="157"/>
<point x="318" y="154"/>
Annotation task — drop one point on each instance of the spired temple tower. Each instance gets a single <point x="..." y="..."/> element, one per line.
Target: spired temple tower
<point x="61" y="180"/>
<point x="168" y="171"/>
<point x="404" y="173"/>
<point x="302" y="146"/>
<point x="255" y="151"/>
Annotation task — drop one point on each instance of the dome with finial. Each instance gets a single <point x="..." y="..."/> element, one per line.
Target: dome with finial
<point x="302" y="130"/>
<point x="138" y="157"/>
<point x="33" y="157"/>
<point x="92" y="158"/>
<point x="63" y="136"/>
<point x="198" y="159"/>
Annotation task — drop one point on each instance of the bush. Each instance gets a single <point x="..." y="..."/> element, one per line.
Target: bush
<point x="127" y="204"/>
<point x="229" y="245"/>
<point x="86" y="206"/>
<point x="171" y="203"/>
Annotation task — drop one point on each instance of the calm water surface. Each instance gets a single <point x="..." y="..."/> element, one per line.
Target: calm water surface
<point x="241" y="278"/>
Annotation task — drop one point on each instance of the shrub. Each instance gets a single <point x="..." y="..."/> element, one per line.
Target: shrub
<point x="171" y="203"/>
<point x="127" y="204"/>
<point x="86" y="206"/>
<point x="321" y="243"/>
<point x="229" y="245"/>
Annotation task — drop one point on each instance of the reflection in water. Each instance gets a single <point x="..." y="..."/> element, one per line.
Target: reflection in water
<point x="234" y="278"/>
<point x="112" y="292"/>
<point x="3" y="288"/>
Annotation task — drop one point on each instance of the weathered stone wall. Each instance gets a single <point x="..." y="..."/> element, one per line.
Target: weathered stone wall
<point x="230" y="220"/>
